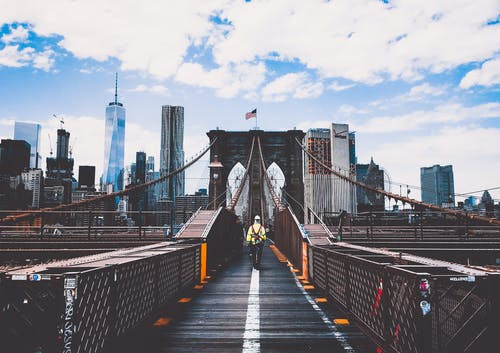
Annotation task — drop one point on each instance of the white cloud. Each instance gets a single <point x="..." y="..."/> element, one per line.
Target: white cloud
<point x="12" y="56"/>
<point x="160" y="90"/>
<point x="337" y="87"/>
<point x="17" y="35"/>
<point x="364" y="41"/>
<point x="349" y="110"/>
<point x="151" y="37"/>
<point x="44" y="60"/>
<point x="424" y="90"/>
<point x="228" y="81"/>
<point x="446" y="113"/>
<point x="487" y="75"/>
<point x="471" y="150"/>
<point x="296" y="85"/>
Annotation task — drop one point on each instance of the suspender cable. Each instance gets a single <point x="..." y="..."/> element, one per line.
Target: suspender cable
<point x="237" y="195"/>
<point x="276" y="199"/>
<point x="390" y="195"/>
<point x="112" y="195"/>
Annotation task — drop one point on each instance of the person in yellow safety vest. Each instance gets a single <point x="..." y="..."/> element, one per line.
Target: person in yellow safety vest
<point x="256" y="237"/>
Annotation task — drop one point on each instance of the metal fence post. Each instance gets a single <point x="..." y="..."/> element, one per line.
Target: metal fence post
<point x="42" y="223"/>
<point x="89" y="227"/>
<point x="421" y="225"/>
<point x="140" y="224"/>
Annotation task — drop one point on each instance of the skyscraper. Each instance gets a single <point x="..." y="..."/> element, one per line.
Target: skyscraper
<point x="31" y="134"/>
<point x="60" y="170"/>
<point x="114" y="143"/>
<point x="317" y="179"/>
<point x="140" y="167"/>
<point x="343" y="148"/>
<point x="437" y="185"/>
<point x="172" y="149"/>
<point x="372" y="175"/>
<point x="150" y="164"/>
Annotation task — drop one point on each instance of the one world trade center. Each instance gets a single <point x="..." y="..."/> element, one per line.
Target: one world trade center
<point x="114" y="143"/>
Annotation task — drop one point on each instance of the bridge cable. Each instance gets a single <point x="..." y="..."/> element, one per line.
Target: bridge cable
<point x="413" y="202"/>
<point x="276" y="200"/>
<point x="112" y="195"/>
<point x="237" y="195"/>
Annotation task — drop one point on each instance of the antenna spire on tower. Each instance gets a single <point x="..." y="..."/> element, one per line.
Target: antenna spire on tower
<point x="116" y="87"/>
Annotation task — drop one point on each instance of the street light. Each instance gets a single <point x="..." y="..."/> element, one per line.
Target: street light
<point x="215" y="169"/>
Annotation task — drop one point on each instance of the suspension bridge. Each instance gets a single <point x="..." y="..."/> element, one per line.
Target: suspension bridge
<point x="359" y="283"/>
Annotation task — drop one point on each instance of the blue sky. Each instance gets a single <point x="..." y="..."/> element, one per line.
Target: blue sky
<point x="418" y="80"/>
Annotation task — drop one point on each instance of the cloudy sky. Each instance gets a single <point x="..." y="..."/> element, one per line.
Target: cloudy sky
<point x="419" y="81"/>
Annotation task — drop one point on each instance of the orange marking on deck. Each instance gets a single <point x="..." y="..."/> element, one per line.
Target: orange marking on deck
<point x="294" y="270"/>
<point x="208" y="277"/>
<point x="184" y="300"/>
<point x="204" y="282"/>
<point x="301" y="278"/>
<point x="203" y="261"/>
<point x="321" y="300"/>
<point x="198" y="286"/>
<point x="162" y="321"/>
<point x="341" y="321"/>
<point x="309" y="287"/>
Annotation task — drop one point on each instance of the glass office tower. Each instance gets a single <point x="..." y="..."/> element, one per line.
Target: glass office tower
<point x="437" y="185"/>
<point x="114" y="143"/>
<point x="30" y="133"/>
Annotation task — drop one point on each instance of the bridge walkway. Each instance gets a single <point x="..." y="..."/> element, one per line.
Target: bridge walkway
<point x="244" y="310"/>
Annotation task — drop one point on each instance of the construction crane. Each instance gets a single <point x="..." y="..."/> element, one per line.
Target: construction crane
<point x="61" y="120"/>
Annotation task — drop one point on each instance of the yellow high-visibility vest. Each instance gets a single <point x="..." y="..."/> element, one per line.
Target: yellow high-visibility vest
<point x="256" y="234"/>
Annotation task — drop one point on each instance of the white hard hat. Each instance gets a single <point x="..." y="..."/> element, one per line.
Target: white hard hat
<point x="257" y="217"/>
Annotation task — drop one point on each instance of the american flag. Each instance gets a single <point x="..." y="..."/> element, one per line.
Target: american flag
<point x="252" y="114"/>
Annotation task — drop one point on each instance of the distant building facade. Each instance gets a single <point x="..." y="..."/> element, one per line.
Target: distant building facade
<point x="114" y="143"/>
<point x="30" y="133"/>
<point x="324" y="192"/>
<point x="317" y="179"/>
<point x="172" y="149"/>
<point x="86" y="177"/>
<point x="33" y="181"/>
<point x="150" y="164"/>
<point x="343" y="161"/>
<point x="140" y="168"/>
<point x="14" y="157"/>
<point x="60" y="170"/>
<point x="437" y="185"/>
<point x="370" y="174"/>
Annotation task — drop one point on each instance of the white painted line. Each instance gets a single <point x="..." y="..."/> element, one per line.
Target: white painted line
<point x="251" y="337"/>
<point x="340" y="338"/>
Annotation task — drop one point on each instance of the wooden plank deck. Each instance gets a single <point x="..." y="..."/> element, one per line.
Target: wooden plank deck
<point x="230" y="315"/>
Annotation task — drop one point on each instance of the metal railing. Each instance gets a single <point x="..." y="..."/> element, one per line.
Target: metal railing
<point x="410" y="304"/>
<point x="85" y="304"/>
<point x="93" y="225"/>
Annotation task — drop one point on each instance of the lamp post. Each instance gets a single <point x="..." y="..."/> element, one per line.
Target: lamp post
<point x="215" y="170"/>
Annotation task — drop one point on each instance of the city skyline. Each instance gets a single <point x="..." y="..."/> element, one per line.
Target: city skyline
<point x="412" y="98"/>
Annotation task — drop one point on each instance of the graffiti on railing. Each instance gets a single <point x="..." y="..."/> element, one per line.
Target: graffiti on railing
<point x="68" y="329"/>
